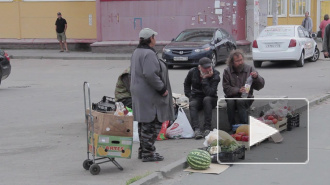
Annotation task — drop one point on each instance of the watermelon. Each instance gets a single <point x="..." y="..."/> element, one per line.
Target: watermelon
<point x="199" y="159"/>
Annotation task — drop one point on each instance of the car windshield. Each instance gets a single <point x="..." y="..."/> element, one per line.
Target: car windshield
<point x="277" y="32"/>
<point x="195" y="36"/>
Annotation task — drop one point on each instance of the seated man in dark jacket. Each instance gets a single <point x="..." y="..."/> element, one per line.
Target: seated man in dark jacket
<point x="234" y="78"/>
<point x="201" y="86"/>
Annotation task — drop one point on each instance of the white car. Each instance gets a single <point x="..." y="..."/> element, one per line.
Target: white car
<point x="282" y="43"/>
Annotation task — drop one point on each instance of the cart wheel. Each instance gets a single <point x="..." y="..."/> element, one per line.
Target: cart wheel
<point x="95" y="169"/>
<point x="87" y="163"/>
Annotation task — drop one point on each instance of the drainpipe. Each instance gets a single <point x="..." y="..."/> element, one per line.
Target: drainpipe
<point x="98" y="21"/>
<point x="274" y="10"/>
<point x="19" y="18"/>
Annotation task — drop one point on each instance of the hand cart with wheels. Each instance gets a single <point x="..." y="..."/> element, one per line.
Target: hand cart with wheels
<point x="103" y="148"/>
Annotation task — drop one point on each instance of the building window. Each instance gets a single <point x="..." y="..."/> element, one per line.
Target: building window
<point x="281" y="8"/>
<point x="299" y="7"/>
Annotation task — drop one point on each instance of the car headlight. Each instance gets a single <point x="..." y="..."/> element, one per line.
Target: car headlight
<point x="202" y="50"/>
<point x="166" y="50"/>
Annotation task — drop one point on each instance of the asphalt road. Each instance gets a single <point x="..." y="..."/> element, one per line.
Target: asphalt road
<point x="42" y="118"/>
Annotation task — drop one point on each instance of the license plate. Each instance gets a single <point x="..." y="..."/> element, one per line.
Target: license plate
<point x="180" y="58"/>
<point x="272" y="45"/>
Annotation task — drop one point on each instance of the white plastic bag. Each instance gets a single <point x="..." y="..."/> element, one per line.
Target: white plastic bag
<point x="213" y="135"/>
<point x="181" y="127"/>
<point x="135" y="132"/>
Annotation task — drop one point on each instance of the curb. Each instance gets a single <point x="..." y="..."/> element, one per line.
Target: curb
<point x="318" y="100"/>
<point x="248" y="57"/>
<point x="70" y="58"/>
<point x="181" y="164"/>
<point x="163" y="173"/>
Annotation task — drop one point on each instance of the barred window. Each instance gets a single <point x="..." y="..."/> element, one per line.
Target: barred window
<point x="299" y="7"/>
<point x="281" y="8"/>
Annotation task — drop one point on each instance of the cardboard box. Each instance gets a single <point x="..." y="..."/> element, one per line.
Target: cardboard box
<point x="111" y="146"/>
<point x="109" y="124"/>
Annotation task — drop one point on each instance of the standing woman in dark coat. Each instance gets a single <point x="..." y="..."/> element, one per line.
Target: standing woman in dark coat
<point x="151" y="94"/>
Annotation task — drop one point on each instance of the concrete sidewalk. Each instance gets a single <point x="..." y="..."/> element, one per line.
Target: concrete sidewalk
<point x="72" y="55"/>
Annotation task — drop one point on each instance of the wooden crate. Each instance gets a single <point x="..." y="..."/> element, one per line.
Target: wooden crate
<point x="281" y="125"/>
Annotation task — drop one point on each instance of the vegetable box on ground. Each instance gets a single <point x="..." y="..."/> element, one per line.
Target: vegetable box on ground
<point x="293" y="121"/>
<point x="281" y="125"/>
<point x="225" y="156"/>
<point x="245" y="143"/>
<point x="233" y="156"/>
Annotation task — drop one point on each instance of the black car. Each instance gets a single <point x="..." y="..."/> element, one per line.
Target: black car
<point x="193" y="44"/>
<point x="5" y="66"/>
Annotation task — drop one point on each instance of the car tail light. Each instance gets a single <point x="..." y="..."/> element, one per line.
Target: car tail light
<point x="293" y="43"/>
<point x="7" y="56"/>
<point x="255" y="44"/>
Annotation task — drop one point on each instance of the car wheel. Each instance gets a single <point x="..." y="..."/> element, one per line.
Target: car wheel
<point x="214" y="58"/>
<point x="301" y="61"/>
<point x="257" y="64"/>
<point x="316" y="55"/>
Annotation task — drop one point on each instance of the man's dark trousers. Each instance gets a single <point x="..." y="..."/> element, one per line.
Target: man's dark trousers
<point x="198" y="103"/>
<point x="241" y="106"/>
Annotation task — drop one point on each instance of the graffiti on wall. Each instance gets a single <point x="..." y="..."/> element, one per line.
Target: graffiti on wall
<point x="168" y="22"/>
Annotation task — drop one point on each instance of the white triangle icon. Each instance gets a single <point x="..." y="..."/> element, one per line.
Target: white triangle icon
<point x="260" y="131"/>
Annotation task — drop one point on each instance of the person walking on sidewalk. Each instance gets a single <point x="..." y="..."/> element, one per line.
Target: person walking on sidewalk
<point x="326" y="41"/>
<point x="324" y="23"/>
<point x="308" y="23"/>
<point x="60" y="27"/>
<point x="151" y="94"/>
<point x="201" y="86"/>
<point x="234" y="78"/>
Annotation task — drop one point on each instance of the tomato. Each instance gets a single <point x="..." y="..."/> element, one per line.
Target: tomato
<point x="245" y="138"/>
<point x="238" y="137"/>
<point x="270" y="117"/>
<point x="274" y="121"/>
<point x="242" y="133"/>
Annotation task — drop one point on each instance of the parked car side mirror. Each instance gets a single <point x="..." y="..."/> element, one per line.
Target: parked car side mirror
<point x="172" y="39"/>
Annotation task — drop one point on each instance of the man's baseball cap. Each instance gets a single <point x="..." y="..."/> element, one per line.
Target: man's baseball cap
<point x="205" y="62"/>
<point x="59" y="13"/>
<point x="146" y="33"/>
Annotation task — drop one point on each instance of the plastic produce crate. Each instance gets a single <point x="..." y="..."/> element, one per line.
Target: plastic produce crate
<point x="293" y="121"/>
